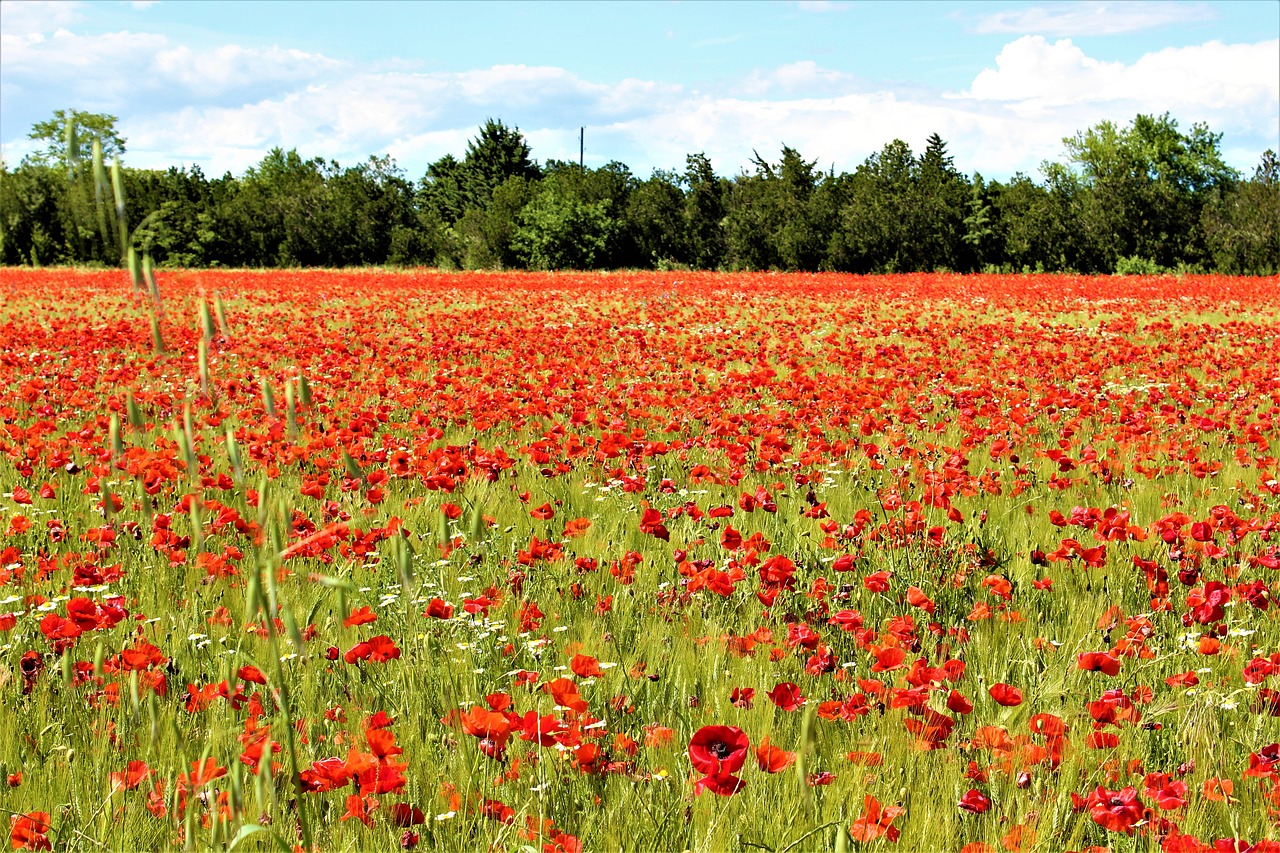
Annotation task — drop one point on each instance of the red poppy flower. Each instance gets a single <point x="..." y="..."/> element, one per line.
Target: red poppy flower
<point x="716" y="750"/>
<point x="360" y="808"/>
<point x="959" y="703"/>
<point x="771" y="759"/>
<point x="360" y="616"/>
<point x="252" y="674"/>
<point x="888" y="658"/>
<point x="487" y="725"/>
<point x="438" y="609"/>
<point x="576" y="527"/>
<point x="585" y="666"/>
<point x="1006" y="694"/>
<point x="1099" y="662"/>
<point x="651" y="523"/>
<point x="30" y="831"/>
<point x="974" y="802"/>
<point x="565" y="693"/>
<point x="134" y="774"/>
<point x="786" y="696"/>
<point x="877" y="581"/>
<point x="202" y="773"/>
<point x="876" y="821"/>
<point x="1116" y="811"/>
<point x="724" y="784"/>
<point x="405" y="814"/>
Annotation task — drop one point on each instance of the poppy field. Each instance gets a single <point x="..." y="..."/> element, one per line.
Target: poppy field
<point x="652" y="561"/>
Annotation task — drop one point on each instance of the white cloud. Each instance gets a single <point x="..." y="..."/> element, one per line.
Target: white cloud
<point x="821" y="6"/>
<point x="1093" y="18"/>
<point x="415" y="117"/>
<point x="804" y="77"/>
<point x="129" y="65"/>
<point x="1234" y="87"/>
<point x="224" y="106"/>
<point x="27" y="17"/>
<point x="230" y="66"/>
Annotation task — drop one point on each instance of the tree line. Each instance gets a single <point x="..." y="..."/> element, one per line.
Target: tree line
<point x="1147" y="197"/>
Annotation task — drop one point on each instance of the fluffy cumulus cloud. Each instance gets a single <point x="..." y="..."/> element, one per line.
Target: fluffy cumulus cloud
<point x="1234" y="87"/>
<point x="119" y="69"/>
<point x="223" y="106"/>
<point x="36" y="16"/>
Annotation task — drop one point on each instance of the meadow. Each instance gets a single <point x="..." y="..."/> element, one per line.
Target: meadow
<point x="651" y="561"/>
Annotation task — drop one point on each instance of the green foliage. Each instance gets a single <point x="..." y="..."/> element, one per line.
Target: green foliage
<point x="68" y="137"/>
<point x="775" y="219"/>
<point x="487" y="234"/>
<point x="1146" y="187"/>
<point x="561" y="231"/>
<point x="655" y="214"/>
<point x="874" y="227"/>
<point x="496" y="154"/>
<point x="1147" y="191"/>
<point x="1138" y="266"/>
<point x="704" y="212"/>
<point x="1242" y="225"/>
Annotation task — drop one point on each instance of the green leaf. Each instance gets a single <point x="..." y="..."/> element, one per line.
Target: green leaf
<point x="250" y="829"/>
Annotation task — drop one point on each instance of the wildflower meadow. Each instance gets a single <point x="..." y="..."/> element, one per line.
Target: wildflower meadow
<point x="558" y="562"/>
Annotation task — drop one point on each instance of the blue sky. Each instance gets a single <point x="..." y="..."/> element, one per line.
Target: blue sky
<point x="217" y="84"/>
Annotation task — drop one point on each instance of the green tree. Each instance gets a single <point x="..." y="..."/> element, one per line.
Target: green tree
<point x="874" y="226"/>
<point x="497" y="153"/>
<point x="979" y="227"/>
<point x="441" y="191"/>
<point x="1144" y="189"/>
<point x="170" y="204"/>
<point x="772" y="221"/>
<point x="32" y="221"/>
<point x="486" y="234"/>
<point x="1242" y="223"/>
<point x="704" y="213"/>
<point x="608" y="189"/>
<point x="655" y="219"/>
<point x="1029" y="224"/>
<point x="273" y="211"/>
<point x="68" y="137"/>
<point x="939" y="200"/>
<point x="559" y="230"/>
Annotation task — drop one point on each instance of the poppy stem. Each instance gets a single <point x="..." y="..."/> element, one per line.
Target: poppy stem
<point x="809" y="834"/>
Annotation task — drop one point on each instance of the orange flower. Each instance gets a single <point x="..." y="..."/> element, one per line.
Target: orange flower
<point x="771" y="759"/>
<point x="134" y="774"/>
<point x="876" y="821"/>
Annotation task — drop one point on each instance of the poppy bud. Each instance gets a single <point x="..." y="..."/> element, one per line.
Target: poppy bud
<point x="493" y="749"/>
<point x="331" y="653"/>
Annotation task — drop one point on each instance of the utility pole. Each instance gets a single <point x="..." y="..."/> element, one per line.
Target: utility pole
<point x="582" y="144"/>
